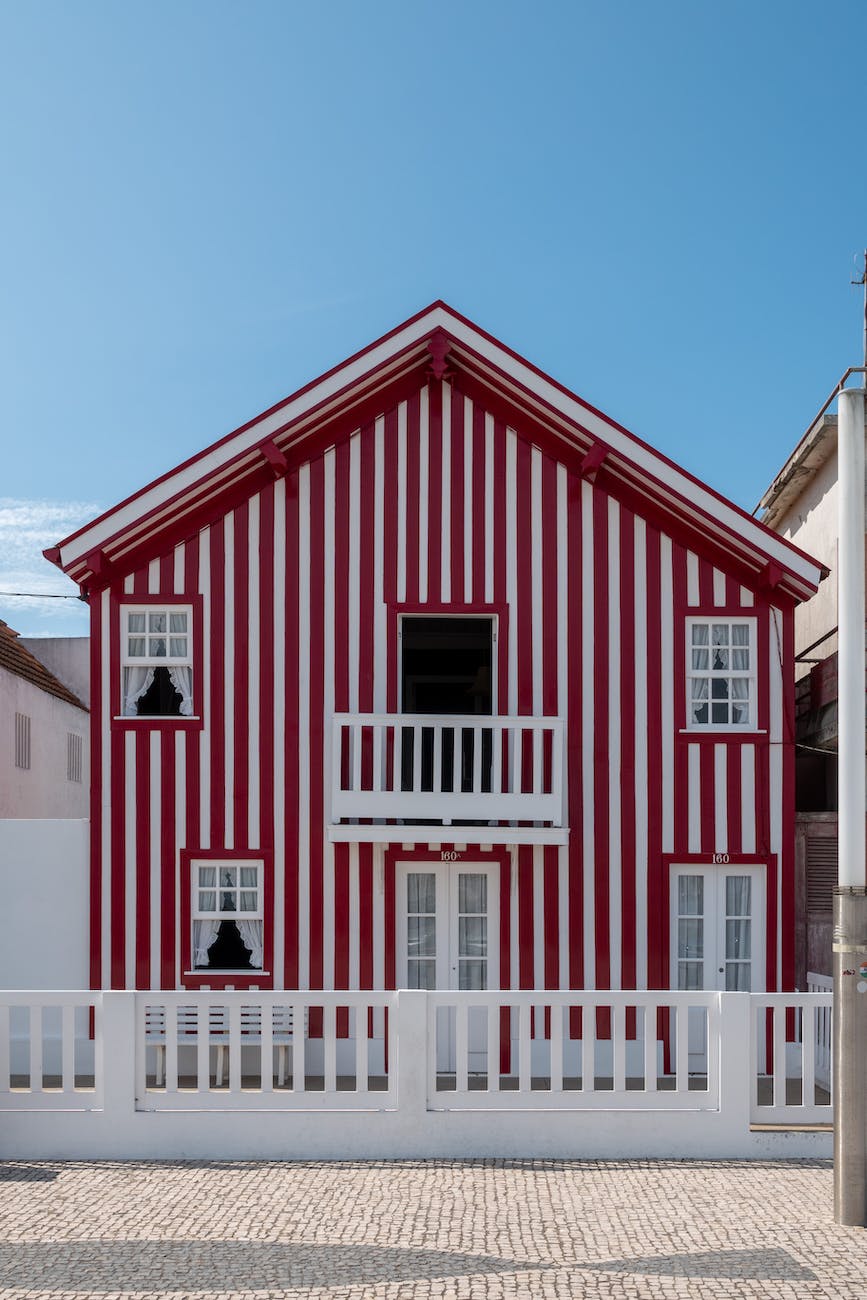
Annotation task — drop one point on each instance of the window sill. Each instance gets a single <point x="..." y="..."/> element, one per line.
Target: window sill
<point x="721" y="733"/>
<point x="214" y="974"/>
<point x="158" y="717"/>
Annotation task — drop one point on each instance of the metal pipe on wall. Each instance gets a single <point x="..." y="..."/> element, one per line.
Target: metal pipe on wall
<point x="850" y="897"/>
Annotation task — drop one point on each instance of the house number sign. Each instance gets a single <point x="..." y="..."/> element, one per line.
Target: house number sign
<point x="720" y="858"/>
<point x="450" y="855"/>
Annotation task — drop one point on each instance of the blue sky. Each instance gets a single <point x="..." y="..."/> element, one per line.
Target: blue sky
<point x="207" y="204"/>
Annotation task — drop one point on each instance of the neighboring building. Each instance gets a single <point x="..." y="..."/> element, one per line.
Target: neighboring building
<point x="435" y="676"/>
<point x="802" y="505"/>
<point x="45" y="738"/>
<point x="67" y="657"/>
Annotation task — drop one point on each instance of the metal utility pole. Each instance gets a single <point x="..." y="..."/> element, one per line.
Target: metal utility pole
<point x="850" y="896"/>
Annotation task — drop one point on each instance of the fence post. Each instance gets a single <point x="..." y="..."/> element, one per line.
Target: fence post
<point x="116" y="1048"/>
<point x="737" y="1068"/>
<point x="412" y="1054"/>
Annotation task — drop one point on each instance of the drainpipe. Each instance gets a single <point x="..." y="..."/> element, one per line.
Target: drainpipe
<point x="850" y="896"/>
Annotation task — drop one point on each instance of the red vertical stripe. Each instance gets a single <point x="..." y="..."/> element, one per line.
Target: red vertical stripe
<point x="142" y="938"/>
<point x="787" y="853"/>
<point x="435" y="492"/>
<point x="216" y="702"/>
<point x="292" y="737"/>
<point x="574" y="770"/>
<point x="551" y="935"/>
<point x="627" y="748"/>
<point x="657" y="891"/>
<point x="365" y="916"/>
<point x="682" y="794"/>
<point x="241" y="785"/>
<point x="734" y="798"/>
<point x="456" y="491"/>
<point x="478" y="513"/>
<point x="265" y="722"/>
<point x="601" y="753"/>
<point x="341" y="916"/>
<point x="413" y="423"/>
<point x="526" y="973"/>
<point x="168" y="860"/>
<point x="98" y="977"/>
<point x="367" y="568"/>
<point x="316" y="716"/>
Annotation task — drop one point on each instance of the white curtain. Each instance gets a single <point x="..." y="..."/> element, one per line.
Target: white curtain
<point x="181" y="678"/>
<point x="136" y="683"/>
<point x="204" y="934"/>
<point x="251" y="937"/>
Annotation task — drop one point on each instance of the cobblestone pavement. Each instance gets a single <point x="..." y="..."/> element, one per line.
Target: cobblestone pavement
<point x="426" y="1229"/>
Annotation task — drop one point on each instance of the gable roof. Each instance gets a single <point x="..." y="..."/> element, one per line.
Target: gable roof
<point x="436" y="343"/>
<point x="17" y="659"/>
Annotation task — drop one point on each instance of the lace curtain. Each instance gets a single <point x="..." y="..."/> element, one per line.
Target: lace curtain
<point x="204" y="935"/>
<point x="181" y="678"/>
<point x="251" y="937"/>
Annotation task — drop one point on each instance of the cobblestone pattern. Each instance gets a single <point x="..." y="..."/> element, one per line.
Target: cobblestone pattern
<point x="426" y="1229"/>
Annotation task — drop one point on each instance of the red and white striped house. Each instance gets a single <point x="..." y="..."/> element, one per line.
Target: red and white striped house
<point x="434" y="676"/>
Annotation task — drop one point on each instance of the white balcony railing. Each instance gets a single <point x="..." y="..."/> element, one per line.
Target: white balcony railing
<point x="419" y="767"/>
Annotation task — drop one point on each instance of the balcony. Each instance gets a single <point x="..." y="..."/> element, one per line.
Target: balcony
<point x="441" y="772"/>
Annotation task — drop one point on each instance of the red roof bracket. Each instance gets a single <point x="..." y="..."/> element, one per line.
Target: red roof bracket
<point x="52" y="555"/>
<point x="438" y="346"/>
<point x="275" y="457"/>
<point x="770" y="577"/>
<point x="593" y="460"/>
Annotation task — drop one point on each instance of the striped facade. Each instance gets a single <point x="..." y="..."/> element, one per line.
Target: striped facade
<point x="437" y="502"/>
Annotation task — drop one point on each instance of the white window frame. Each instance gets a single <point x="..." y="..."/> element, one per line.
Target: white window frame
<point x="146" y="660"/>
<point x="710" y="674"/>
<point x="200" y="914"/>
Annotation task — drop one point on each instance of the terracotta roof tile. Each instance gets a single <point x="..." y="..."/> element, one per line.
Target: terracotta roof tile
<point x="15" y="658"/>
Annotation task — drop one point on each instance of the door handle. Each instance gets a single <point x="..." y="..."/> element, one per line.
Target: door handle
<point x="722" y="970"/>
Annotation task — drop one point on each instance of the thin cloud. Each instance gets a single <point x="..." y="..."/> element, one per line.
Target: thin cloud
<point x="27" y="527"/>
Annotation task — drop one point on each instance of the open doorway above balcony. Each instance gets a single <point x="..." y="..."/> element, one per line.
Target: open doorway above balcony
<point x="447" y="665"/>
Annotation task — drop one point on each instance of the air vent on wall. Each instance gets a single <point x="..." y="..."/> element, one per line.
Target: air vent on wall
<point x="821" y="872"/>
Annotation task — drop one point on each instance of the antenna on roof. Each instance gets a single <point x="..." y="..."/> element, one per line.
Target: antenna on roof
<point x="863" y="280"/>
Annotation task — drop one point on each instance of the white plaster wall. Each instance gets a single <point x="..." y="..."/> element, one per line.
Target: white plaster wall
<point x="44" y="884"/>
<point x="811" y="523"/>
<point x="68" y="657"/>
<point x="42" y="790"/>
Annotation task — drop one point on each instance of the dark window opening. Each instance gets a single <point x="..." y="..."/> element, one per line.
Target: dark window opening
<point x="160" y="700"/>
<point x="447" y="665"/>
<point x="815" y="781"/>
<point x="228" y="951"/>
<point x="447" y="669"/>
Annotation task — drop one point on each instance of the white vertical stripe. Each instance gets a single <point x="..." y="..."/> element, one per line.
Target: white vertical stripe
<point x="179" y="569"/>
<point x="720" y="786"/>
<point x="380" y="610"/>
<point x="155" y="883"/>
<point x="281" y="687"/>
<point x="692" y="585"/>
<point x="354" y="575"/>
<point x="641" y="767"/>
<point x="354" y="915"/>
<point x="539" y="927"/>
<point x="747" y="597"/>
<point x="229" y="678"/>
<point x="253" y="675"/>
<point x="489" y="510"/>
<point x="303" y="726"/>
<point x="105" y="687"/>
<point x="328" y="709"/>
<point x="180" y="841"/>
<point x="469" y="594"/>
<point x="719" y="587"/>
<point x="446" y="495"/>
<point x="401" y="502"/>
<point x="748" y="798"/>
<point x="423" y="481"/>
<point x="587" y="732"/>
<point x="694" y="785"/>
<point x="535" y="540"/>
<point x="154" y="577"/>
<point x="667" y="712"/>
<point x="615" y="848"/>
<point x="129" y="583"/>
<point x="511" y="571"/>
<point x="129" y="767"/>
<point x="204" y="666"/>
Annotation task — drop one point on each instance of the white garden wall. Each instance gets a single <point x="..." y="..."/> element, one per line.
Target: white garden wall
<point x="44" y="883"/>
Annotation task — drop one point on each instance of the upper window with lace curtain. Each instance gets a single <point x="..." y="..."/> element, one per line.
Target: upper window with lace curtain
<point x="721" y="681"/>
<point x="157" y="661"/>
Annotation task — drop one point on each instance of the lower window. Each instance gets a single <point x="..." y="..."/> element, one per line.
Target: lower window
<point x="227" y="916"/>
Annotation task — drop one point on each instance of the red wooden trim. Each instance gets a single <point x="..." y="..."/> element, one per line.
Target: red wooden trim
<point x="626" y="595"/>
<point x="526" y="907"/>
<point x="217" y="979"/>
<point x="657" y="974"/>
<point x="267" y="544"/>
<point x="365" y="916"/>
<point x="316" y="721"/>
<point x="601" y="748"/>
<point x="291" y="752"/>
<point x="577" y="780"/>
<point x="708" y="736"/>
<point x="551" y="904"/>
<point x="141" y="940"/>
<point x="98" y="978"/>
<point x="217" y="709"/>
<point x="434" y="490"/>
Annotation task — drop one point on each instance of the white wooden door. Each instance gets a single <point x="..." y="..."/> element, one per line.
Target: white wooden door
<point x="717" y="937"/>
<point x="447" y="938"/>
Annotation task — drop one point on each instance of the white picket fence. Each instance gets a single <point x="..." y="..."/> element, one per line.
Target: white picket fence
<point x="413" y="1073"/>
